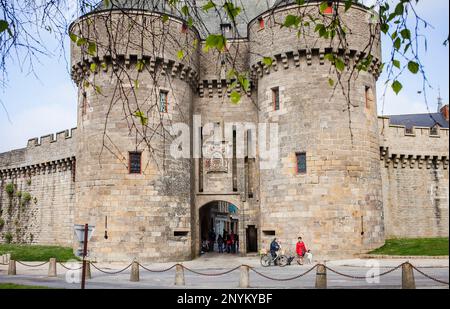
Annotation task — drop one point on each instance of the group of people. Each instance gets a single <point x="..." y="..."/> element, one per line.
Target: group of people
<point x="226" y="242"/>
<point x="300" y="249"/>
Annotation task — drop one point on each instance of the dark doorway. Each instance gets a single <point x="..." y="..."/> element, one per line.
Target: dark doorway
<point x="252" y="239"/>
<point x="219" y="228"/>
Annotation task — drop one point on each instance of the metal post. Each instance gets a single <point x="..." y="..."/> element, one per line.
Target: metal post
<point x="83" y="274"/>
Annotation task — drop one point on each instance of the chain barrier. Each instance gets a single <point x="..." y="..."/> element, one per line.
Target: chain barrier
<point x="236" y="268"/>
<point x="156" y="271"/>
<point x="361" y="277"/>
<point x="29" y="265"/>
<point x="211" y="275"/>
<point x="68" y="268"/>
<point x="284" y="279"/>
<point x="428" y="276"/>
<point x="111" y="272"/>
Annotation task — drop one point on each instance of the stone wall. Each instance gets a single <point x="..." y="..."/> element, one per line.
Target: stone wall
<point x="41" y="208"/>
<point x="415" y="175"/>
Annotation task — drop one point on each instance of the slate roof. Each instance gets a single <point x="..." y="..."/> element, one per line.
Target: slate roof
<point x="419" y="120"/>
<point x="211" y="20"/>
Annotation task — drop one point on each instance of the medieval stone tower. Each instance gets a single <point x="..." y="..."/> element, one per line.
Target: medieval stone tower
<point x="161" y="158"/>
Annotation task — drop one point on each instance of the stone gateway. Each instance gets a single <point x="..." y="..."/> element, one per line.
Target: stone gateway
<point x="340" y="176"/>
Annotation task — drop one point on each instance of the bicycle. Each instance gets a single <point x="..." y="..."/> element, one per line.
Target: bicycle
<point x="280" y="260"/>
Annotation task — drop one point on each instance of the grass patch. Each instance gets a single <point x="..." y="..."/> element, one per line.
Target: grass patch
<point x="32" y="253"/>
<point x="414" y="246"/>
<point x="12" y="286"/>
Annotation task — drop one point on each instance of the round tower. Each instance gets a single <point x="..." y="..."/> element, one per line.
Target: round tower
<point x="326" y="183"/>
<point x="133" y="85"/>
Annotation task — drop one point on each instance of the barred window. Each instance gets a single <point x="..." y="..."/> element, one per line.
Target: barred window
<point x="301" y="162"/>
<point x="276" y="98"/>
<point x="163" y="101"/>
<point x="135" y="162"/>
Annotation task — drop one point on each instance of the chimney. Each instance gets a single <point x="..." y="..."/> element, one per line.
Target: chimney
<point x="439" y="106"/>
<point x="444" y="112"/>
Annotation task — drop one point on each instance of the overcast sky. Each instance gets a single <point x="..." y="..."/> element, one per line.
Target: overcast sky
<point x="37" y="107"/>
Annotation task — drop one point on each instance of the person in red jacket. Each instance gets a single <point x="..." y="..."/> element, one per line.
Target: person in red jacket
<point x="301" y="250"/>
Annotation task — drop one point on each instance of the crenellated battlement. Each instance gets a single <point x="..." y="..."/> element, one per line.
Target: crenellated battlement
<point x="309" y="57"/>
<point x="165" y="67"/>
<point x="51" y="138"/>
<point x="220" y="88"/>
<point x="418" y="147"/>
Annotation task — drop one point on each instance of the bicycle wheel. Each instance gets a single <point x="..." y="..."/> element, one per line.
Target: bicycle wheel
<point x="283" y="261"/>
<point x="266" y="260"/>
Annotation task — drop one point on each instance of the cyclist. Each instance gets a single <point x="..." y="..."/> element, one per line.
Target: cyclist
<point x="274" y="247"/>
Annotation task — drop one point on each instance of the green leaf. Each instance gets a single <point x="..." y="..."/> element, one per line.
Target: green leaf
<point x="104" y="66"/>
<point x="331" y="82"/>
<point x="397" y="86"/>
<point x="165" y="18"/>
<point x="73" y="37"/>
<point x="185" y="10"/>
<point x="92" y="48"/>
<point x="136" y="84"/>
<point x="399" y="9"/>
<point x="93" y="67"/>
<point x="3" y="25"/>
<point x="140" y="65"/>
<point x="268" y="61"/>
<point x="216" y="41"/>
<point x="143" y="119"/>
<point x="231" y="10"/>
<point x="81" y="41"/>
<point x="98" y="89"/>
<point x="348" y="4"/>
<point x="323" y="6"/>
<point x="235" y="97"/>
<point x="106" y="3"/>
<point x="396" y="63"/>
<point x="180" y="54"/>
<point x="413" y="67"/>
<point x="208" y="6"/>
<point x="406" y="34"/>
<point x="384" y="27"/>
<point x="291" y="20"/>
<point x="339" y="64"/>
<point x="397" y="43"/>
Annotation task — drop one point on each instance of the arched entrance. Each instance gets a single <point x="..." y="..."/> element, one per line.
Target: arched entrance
<point x="219" y="219"/>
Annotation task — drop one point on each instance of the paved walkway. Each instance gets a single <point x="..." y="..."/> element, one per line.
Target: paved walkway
<point x="216" y="263"/>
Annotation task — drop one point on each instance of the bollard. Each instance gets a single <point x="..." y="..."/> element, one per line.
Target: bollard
<point x="12" y="268"/>
<point x="134" y="276"/>
<point x="244" y="281"/>
<point x="8" y="257"/>
<point x="52" y="268"/>
<point x="408" y="281"/>
<point x="321" y="277"/>
<point x="88" y="270"/>
<point x="179" y="275"/>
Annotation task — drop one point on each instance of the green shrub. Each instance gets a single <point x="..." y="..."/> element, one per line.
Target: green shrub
<point x="26" y="198"/>
<point x="9" y="189"/>
<point x="8" y="238"/>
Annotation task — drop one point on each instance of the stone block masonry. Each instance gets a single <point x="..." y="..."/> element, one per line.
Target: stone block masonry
<point x="37" y="191"/>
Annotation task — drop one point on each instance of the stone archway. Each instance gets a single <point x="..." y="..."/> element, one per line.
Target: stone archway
<point x="218" y="217"/>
